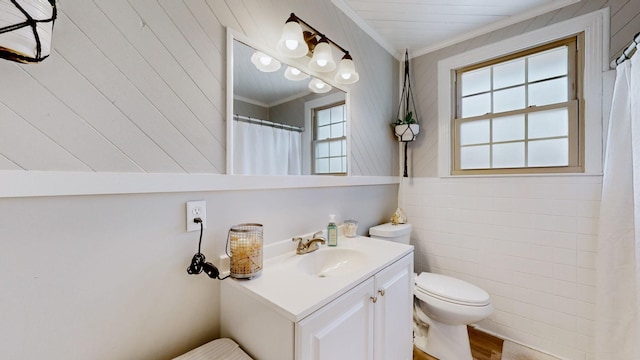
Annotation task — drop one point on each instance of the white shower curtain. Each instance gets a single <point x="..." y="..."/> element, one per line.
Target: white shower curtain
<point x="618" y="256"/>
<point x="265" y="150"/>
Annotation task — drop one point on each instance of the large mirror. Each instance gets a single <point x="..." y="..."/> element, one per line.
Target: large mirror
<point x="276" y="124"/>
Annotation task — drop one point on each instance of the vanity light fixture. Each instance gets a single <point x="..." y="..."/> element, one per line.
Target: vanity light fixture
<point x="322" y="59"/>
<point x="292" y="42"/>
<point x="25" y="29"/>
<point x="295" y="74"/>
<point x="346" y="73"/>
<point x="319" y="86"/>
<point x="296" y="43"/>
<point x="264" y="62"/>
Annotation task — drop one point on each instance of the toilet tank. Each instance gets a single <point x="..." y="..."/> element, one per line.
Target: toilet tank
<point x="400" y="233"/>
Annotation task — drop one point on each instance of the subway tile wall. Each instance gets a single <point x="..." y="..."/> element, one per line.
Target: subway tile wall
<point x="528" y="241"/>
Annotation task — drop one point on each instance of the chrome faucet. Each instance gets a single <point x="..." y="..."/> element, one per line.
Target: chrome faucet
<point x="310" y="245"/>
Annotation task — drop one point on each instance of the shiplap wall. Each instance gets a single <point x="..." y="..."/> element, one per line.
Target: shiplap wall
<point x="529" y="241"/>
<point x="423" y="156"/>
<point x="139" y="86"/>
<point x="103" y="277"/>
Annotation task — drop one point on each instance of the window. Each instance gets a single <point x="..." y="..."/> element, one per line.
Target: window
<point x="520" y="113"/>
<point x="594" y="28"/>
<point x="330" y="140"/>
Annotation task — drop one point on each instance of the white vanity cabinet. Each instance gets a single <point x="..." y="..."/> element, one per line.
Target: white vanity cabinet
<point x="343" y="329"/>
<point x="372" y="321"/>
<point x="394" y="311"/>
<point x="367" y="317"/>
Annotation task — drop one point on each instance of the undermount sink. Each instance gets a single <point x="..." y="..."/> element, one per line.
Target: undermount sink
<point x="328" y="262"/>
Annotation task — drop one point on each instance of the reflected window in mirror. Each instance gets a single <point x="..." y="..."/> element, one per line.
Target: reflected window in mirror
<point x="330" y="140"/>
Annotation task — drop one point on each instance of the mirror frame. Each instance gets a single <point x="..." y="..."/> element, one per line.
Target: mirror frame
<point x="232" y="36"/>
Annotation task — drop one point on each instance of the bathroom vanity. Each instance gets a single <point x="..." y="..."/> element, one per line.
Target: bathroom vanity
<point x="350" y="302"/>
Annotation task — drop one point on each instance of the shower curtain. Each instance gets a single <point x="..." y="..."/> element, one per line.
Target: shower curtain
<point x="618" y="252"/>
<point x="265" y="150"/>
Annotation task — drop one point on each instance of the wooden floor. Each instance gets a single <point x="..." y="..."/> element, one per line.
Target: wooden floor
<point x="483" y="347"/>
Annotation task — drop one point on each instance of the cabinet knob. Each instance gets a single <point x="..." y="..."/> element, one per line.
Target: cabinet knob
<point x="374" y="299"/>
<point x="381" y="292"/>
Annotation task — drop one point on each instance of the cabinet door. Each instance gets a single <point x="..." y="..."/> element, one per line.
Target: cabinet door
<point x="342" y="330"/>
<point x="394" y="311"/>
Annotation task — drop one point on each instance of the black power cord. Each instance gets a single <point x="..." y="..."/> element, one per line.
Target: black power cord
<point x="199" y="262"/>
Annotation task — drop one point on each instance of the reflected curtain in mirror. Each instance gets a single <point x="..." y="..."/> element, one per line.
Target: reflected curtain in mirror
<point x="265" y="149"/>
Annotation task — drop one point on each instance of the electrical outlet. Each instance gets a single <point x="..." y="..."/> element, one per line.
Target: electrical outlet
<point x="196" y="209"/>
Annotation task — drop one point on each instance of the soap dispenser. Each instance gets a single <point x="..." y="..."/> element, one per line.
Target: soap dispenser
<point x="332" y="231"/>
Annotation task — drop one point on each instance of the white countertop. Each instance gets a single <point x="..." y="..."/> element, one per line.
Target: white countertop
<point x="295" y="294"/>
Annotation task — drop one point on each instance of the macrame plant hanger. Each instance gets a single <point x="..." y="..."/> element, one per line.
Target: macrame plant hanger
<point x="407" y="114"/>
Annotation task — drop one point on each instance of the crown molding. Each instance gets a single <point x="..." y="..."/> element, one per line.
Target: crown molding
<point x="340" y="4"/>
<point x="399" y="53"/>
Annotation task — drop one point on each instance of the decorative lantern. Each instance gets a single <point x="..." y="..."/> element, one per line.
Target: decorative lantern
<point x="25" y="29"/>
<point x="245" y="243"/>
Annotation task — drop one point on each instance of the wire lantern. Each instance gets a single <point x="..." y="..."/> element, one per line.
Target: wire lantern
<point x="26" y="27"/>
<point x="245" y="243"/>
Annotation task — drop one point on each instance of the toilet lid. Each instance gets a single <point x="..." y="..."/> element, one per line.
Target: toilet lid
<point x="450" y="289"/>
<point x="389" y="230"/>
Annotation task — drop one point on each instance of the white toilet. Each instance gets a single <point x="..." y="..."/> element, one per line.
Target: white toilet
<point x="444" y="303"/>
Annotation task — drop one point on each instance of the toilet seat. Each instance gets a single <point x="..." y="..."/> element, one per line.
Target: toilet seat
<point x="451" y="290"/>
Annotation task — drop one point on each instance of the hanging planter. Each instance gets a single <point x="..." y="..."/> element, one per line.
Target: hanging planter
<point x="407" y="132"/>
<point x="406" y="127"/>
<point x="26" y="27"/>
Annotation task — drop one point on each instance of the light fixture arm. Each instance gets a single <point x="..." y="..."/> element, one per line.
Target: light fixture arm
<point x="315" y="32"/>
<point x="300" y="39"/>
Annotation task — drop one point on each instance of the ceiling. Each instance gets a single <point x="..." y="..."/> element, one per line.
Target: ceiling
<point x="261" y="88"/>
<point x="265" y="89"/>
<point x="423" y="26"/>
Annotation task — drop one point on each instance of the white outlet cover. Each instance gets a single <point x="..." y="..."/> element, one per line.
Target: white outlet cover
<point x="196" y="209"/>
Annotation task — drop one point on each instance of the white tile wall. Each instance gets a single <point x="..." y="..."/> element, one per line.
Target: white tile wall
<point x="529" y="241"/>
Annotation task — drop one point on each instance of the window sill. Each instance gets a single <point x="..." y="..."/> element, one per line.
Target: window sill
<point x="566" y="174"/>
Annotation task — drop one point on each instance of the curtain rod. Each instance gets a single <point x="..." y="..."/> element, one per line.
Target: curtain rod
<point x="251" y="120"/>
<point x="627" y="53"/>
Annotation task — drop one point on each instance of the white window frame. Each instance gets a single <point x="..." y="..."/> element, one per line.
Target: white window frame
<point x="595" y="26"/>
<point x="315" y="140"/>
<point x="307" y="136"/>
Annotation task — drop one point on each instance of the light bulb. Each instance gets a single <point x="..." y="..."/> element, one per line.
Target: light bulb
<point x="294" y="74"/>
<point x="322" y="59"/>
<point x="291" y="44"/>
<point x="319" y="86"/>
<point x="346" y="71"/>
<point x="265" y="60"/>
